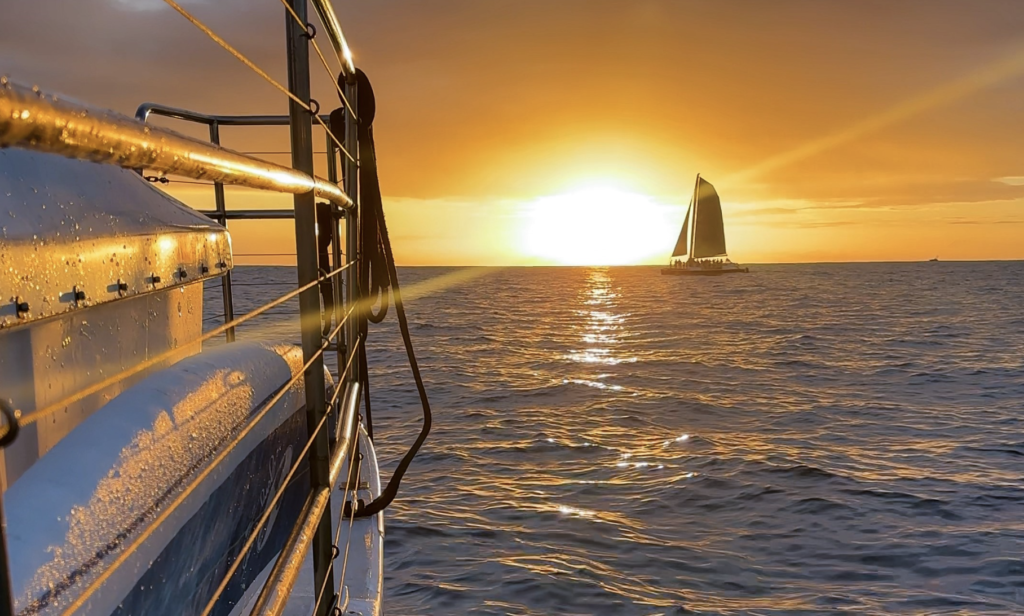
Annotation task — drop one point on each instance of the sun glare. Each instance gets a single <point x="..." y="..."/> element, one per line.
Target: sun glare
<point x="599" y="226"/>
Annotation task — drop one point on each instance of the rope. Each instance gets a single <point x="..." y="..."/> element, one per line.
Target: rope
<point x="117" y="378"/>
<point x="11" y="426"/>
<point x="333" y="138"/>
<point x="377" y="253"/>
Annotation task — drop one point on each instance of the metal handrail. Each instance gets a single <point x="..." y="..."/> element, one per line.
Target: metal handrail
<point x="330" y="20"/>
<point x="31" y="120"/>
<point x="221" y="214"/>
<point x="147" y="109"/>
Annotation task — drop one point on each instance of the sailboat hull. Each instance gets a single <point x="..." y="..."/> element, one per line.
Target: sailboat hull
<point x="694" y="271"/>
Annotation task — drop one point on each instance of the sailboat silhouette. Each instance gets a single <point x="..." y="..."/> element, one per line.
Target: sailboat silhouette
<point x="702" y="237"/>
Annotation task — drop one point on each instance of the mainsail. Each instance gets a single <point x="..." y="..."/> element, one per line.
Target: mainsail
<point x="709" y="231"/>
<point x="684" y="235"/>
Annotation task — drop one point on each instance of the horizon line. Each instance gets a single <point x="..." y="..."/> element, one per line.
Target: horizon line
<point x="521" y="265"/>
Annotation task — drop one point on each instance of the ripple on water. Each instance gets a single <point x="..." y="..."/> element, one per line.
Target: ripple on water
<point x="801" y="440"/>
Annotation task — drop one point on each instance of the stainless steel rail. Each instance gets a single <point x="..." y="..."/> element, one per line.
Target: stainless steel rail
<point x="147" y="109"/>
<point x="31" y="120"/>
<point x="221" y="214"/>
<point x="330" y="20"/>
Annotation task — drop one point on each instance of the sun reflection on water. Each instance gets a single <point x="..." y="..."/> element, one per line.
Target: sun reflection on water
<point x="603" y="325"/>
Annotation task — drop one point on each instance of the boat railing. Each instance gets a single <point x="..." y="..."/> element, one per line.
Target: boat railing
<point x="222" y="214"/>
<point x="29" y="119"/>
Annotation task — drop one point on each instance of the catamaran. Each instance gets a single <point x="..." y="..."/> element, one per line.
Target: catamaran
<point x="702" y="237"/>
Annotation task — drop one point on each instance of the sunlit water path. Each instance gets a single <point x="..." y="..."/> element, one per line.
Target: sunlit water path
<point x="798" y="440"/>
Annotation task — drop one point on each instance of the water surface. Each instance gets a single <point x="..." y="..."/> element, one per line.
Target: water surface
<point x="799" y="440"/>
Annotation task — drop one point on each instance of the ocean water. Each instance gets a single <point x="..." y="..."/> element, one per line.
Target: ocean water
<point x="804" y="439"/>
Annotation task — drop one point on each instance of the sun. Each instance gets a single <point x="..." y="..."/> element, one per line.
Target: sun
<point x="599" y="225"/>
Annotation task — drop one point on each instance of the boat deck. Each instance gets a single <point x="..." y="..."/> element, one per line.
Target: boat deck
<point x="701" y="271"/>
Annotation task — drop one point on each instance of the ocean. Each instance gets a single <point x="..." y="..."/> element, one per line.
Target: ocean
<point x="803" y="439"/>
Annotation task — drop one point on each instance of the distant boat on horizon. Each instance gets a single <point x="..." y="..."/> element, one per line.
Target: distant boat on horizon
<point x="703" y="239"/>
<point x="933" y="260"/>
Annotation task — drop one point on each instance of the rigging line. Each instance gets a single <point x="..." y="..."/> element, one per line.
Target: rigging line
<point x="184" y="494"/>
<point x="351" y="519"/>
<point x="299" y="460"/>
<point x="327" y="67"/>
<point x="117" y="378"/>
<point x="237" y="54"/>
<point x="348" y="364"/>
<point x="263" y="518"/>
<point x="348" y="483"/>
<point x="330" y="134"/>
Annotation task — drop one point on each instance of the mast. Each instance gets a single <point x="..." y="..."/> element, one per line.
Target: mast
<point x="693" y="218"/>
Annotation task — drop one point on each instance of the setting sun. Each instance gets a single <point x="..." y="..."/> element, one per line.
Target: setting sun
<point x="599" y="226"/>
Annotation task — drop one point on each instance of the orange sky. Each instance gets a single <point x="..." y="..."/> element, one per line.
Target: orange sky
<point x="833" y="131"/>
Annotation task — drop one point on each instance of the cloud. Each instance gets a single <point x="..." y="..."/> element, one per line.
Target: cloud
<point x="986" y="222"/>
<point x="140" y="5"/>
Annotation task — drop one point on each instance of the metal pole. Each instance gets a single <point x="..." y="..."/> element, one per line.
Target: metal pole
<point x="6" y="594"/>
<point x="309" y="300"/>
<point x="339" y="306"/>
<point x="693" y="222"/>
<point x="352" y="220"/>
<point x="333" y="27"/>
<point x="222" y="218"/>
